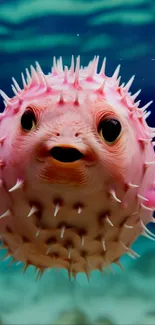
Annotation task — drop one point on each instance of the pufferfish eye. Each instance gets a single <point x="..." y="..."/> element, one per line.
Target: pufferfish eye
<point x="28" y="120"/>
<point x="109" y="129"/>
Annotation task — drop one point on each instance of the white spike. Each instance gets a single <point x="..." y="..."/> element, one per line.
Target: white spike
<point x="62" y="231"/>
<point x="120" y="265"/>
<point x="102" y="71"/>
<point x="77" y="68"/>
<point x="28" y="77"/>
<point x="133" y="185"/>
<point x="129" y="83"/>
<point x="147" y="114"/>
<point x="116" y="72"/>
<point x="113" y="193"/>
<point x="65" y="74"/>
<point x="103" y="244"/>
<point x="109" y="222"/>
<point x="69" y="252"/>
<point x="43" y="81"/>
<point x="79" y="209"/>
<point x="16" y="84"/>
<point x="16" y="92"/>
<point x="5" y="214"/>
<point x="127" y="226"/>
<point x="38" y="67"/>
<point x="136" y="104"/>
<point x="72" y="65"/>
<point x="134" y="96"/>
<point x="127" y="248"/>
<point x="134" y="213"/>
<point x="130" y="251"/>
<point x="149" y="163"/>
<point x="145" y="207"/>
<point x="7" y="258"/>
<point x="48" y="250"/>
<point x="94" y="65"/>
<point x="5" y="104"/>
<point x="32" y="211"/>
<point x="147" y="236"/>
<point x="18" y="185"/>
<point x="118" y="81"/>
<point x="133" y="254"/>
<point x="38" y="232"/>
<point x="23" y="81"/>
<point x="101" y="88"/>
<point x="82" y="241"/>
<point x="60" y="64"/>
<point x="146" y="229"/>
<point x="142" y="197"/>
<point x="54" y="67"/>
<point x="57" y="208"/>
<point x="34" y="75"/>
<point x="4" y="96"/>
<point x="146" y="105"/>
<point x="145" y="141"/>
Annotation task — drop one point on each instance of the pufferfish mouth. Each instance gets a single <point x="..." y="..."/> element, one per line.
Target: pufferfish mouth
<point x="65" y="154"/>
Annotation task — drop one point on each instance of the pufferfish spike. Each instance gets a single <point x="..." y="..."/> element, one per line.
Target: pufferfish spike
<point x="34" y="75"/>
<point x="60" y="64"/>
<point x="16" y="84"/>
<point x="146" y="229"/>
<point x="16" y="93"/>
<point x="72" y="65"/>
<point x="116" y="72"/>
<point x="29" y="79"/>
<point x="38" y="68"/>
<point x="18" y="185"/>
<point x="102" y="71"/>
<point x="134" y="96"/>
<point x="146" y="105"/>
<point x="4" y="96"/>
<point x="95" y="65"/>
<point x="23" y="80"/>
<point x="129" y="83"/>
<point x="5" y="214"/>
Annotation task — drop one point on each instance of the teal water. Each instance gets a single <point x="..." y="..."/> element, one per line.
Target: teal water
<point x="123" y="31"/>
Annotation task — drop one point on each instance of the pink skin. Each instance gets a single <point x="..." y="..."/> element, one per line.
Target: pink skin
<point x="79" y="215"/>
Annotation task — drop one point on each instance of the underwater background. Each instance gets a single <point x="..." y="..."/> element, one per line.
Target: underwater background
<point x="124" y="32"/>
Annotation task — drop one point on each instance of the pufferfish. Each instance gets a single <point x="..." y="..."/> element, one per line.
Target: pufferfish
<point x="77" y="169"/>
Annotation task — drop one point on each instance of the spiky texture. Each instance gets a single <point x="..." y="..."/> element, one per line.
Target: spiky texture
<point x="65" y="218"/>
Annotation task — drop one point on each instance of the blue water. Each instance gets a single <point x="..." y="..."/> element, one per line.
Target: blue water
<point x="123" y="31"/>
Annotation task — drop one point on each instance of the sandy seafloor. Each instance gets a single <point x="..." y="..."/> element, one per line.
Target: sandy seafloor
<point x="119" y="297"/>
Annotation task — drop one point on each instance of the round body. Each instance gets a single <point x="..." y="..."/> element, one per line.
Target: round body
<point x="76" y="169"/>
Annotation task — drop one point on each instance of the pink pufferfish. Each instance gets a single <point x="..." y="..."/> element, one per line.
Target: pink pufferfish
<point x="77" y="169"/>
